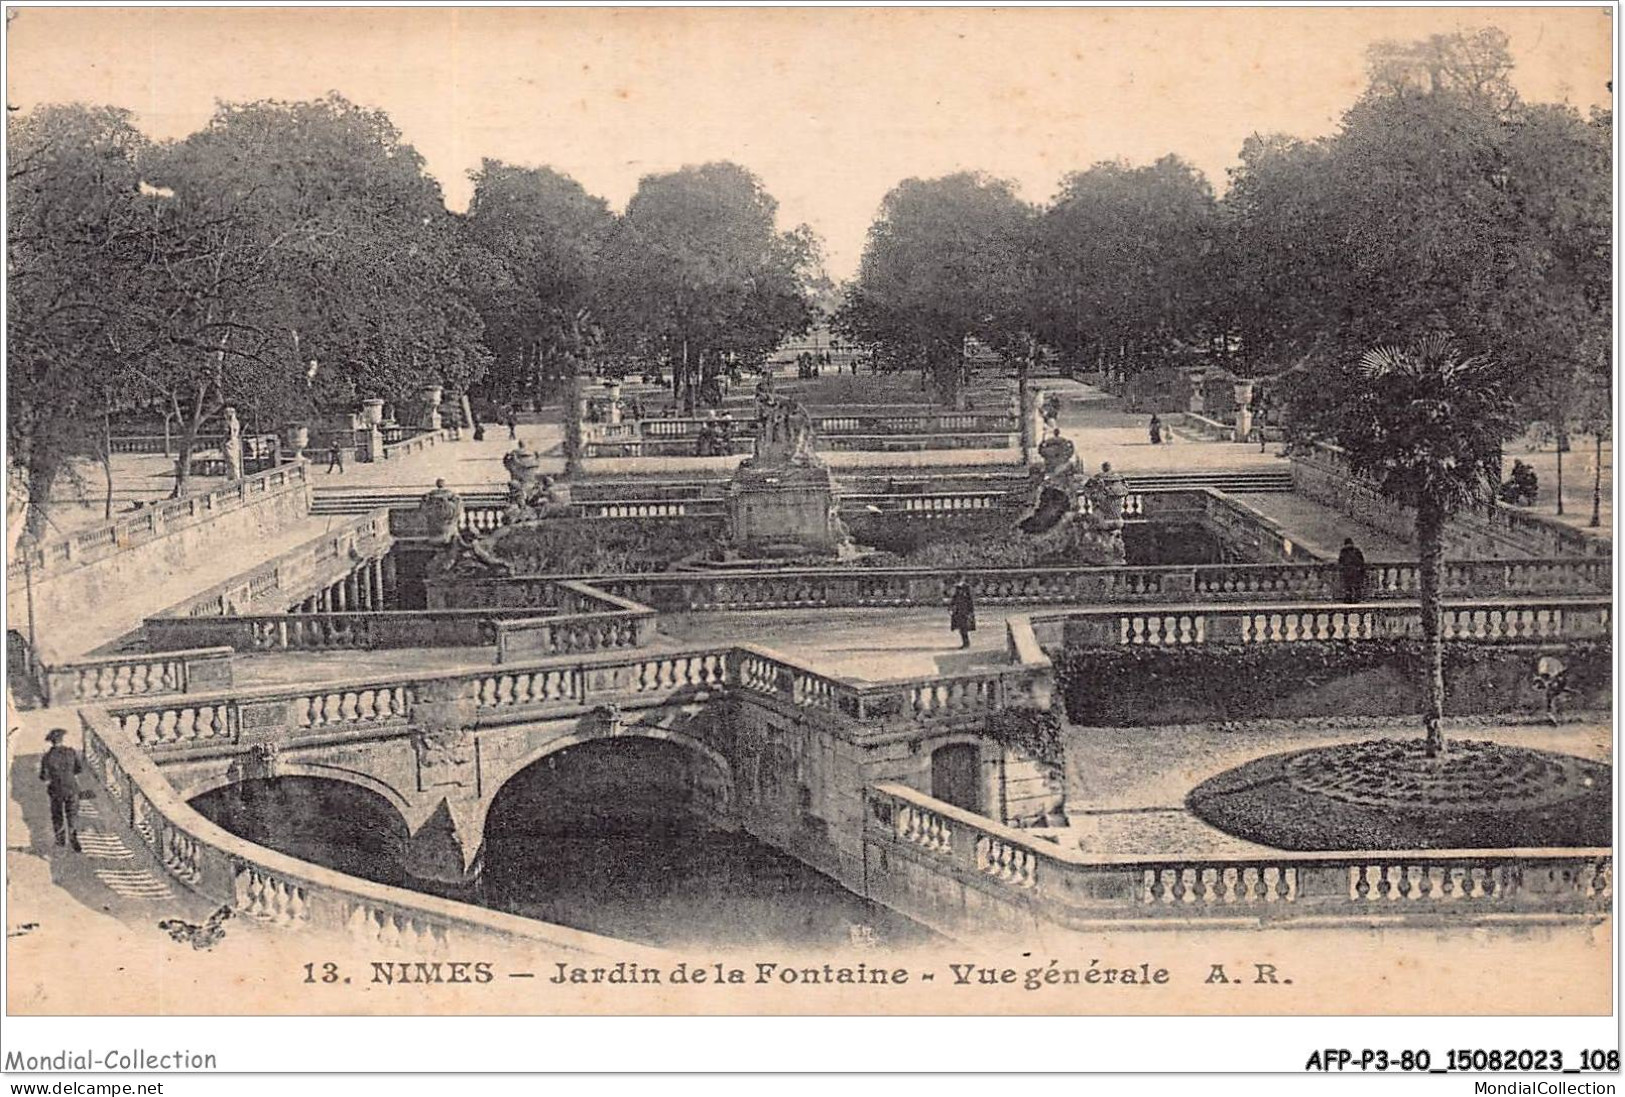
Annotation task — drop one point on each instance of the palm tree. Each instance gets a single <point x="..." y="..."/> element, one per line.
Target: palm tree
<point x="1426" y="425"/>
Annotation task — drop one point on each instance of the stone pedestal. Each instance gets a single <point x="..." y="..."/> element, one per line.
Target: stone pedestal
<point x="431" y="401"/>
<point x="785" y="510"/>
<point x="1198" y="404"/>
<point x="1244" y="410"/>
<point x="612" y="391"/>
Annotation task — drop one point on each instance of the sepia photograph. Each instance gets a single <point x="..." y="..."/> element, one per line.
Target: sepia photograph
<point x="838" y="511"/>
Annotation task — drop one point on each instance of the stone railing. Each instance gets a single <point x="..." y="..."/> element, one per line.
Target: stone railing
<point x="382" y="706"/>
<point x="1209" y="430"/>
<point x="587" y="620"/>
<point x="418" y="443"/>
<point x="1525" y="621"/>
<point x="283" y="891"/>
<point x="165" y="444"/>
<point x="140" y="527"/>
<point x="329" y="630"/>
<point x="874" y="587"/>
<point x="969" y="696"/>
<point x="562" y="618"/>
<point x="138" y="675"/>
<point x="293" y="575"/>
<point x="1021" y="878"/>
<point x="1319" y="472"/>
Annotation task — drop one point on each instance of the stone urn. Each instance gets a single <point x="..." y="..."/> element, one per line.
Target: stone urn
<point x="432" y="395"/>
<point x="372" y="412"/>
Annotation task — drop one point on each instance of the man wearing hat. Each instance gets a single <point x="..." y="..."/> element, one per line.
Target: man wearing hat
<point x="60" y="769"/>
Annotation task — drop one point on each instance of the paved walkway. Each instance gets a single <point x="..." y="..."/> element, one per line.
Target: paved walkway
<point x="1096" y="423"/>
<point x="859" y="645"/>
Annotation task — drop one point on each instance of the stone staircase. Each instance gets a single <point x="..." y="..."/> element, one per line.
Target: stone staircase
<point x="1236" y="482"/>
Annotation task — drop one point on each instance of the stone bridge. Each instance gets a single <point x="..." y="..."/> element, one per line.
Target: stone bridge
<point x="770" y="746"/>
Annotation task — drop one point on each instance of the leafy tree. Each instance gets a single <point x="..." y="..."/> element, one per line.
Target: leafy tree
<point x="946" y="260"/>
<point x="540" y="236"/>
<point x="77" y="242"/>
<point x="1426" y="425"/>
<point x="696" y="272"/>
<point x="309" y="262"/>
<point x="1125" y="263"/>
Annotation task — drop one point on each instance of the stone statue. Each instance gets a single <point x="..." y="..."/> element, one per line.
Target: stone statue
<point x="233" y="446"/>
<point x="524" y="477"/>
<point x="784" y="433"/>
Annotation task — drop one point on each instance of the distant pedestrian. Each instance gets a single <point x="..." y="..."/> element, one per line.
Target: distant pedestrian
<point x="1351" y="568"/>
<point x="962" y="612"/>
<point x="1156" y="431"/>
<point x="513" y="424"/>
<point x="335" y="455"/>
<point x="59" y="769"/>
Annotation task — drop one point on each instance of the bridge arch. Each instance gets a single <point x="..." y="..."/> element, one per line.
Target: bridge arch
<point x="213" y="782"/>
<point x="724" y="802"/>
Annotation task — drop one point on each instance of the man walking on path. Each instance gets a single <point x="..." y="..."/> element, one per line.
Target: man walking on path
<point x="335" y="455"/>
<point x="1351" y="566"/>
<point x="60" y="769"/>
<point x="962" y="612"/>
<point x="513" y="424"/>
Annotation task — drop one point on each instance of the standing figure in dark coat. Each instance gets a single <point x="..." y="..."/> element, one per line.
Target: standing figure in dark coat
<point x="962" y="612"/>
<point x="60" y="769"/>
<point x="1351" y="567"/>
<point x="1156" y="431"/>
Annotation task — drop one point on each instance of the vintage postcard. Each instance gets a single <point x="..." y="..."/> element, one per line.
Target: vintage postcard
<point x="1098" y="511"/>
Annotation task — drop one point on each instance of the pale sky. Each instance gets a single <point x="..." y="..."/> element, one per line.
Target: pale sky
<point x="831" y="107"/>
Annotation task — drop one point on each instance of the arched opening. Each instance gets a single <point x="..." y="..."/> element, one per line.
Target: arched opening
<point x="331" y="823"/>
<point x="956" y="775"/>
<point x="626" y="837"/>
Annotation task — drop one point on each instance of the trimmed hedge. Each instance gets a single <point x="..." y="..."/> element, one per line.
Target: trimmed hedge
<point x="1136" y="685"/>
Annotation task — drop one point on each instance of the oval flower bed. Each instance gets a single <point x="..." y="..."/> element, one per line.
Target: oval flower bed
<point x="1387" y="794"/>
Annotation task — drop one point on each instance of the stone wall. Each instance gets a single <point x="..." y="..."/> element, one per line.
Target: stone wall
<point x="71" y="599"/>
<point x="1487" y="533"/>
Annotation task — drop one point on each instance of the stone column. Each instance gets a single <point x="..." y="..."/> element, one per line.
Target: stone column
<point x="613" y="391"/>
<point x="390" y="584"/>
<point x="375" y="576"/>
<point x="1198" y="404"/>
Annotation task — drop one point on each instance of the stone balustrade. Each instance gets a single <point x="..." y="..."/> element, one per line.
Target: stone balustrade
<point x="138" y="675"/>
<point x="1028" y="878"/>
<point x="421" y="442"/>
<point x="165" y="444"/>
<point x="99" y="542"/>
<point x="370" y="629"/>
<point x="801" y="588"/>
<point x="587" y="620"/>
<point x="1209" y="430"/>
<point x="1527" y="621"/>
<point x="282" y="891"/>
